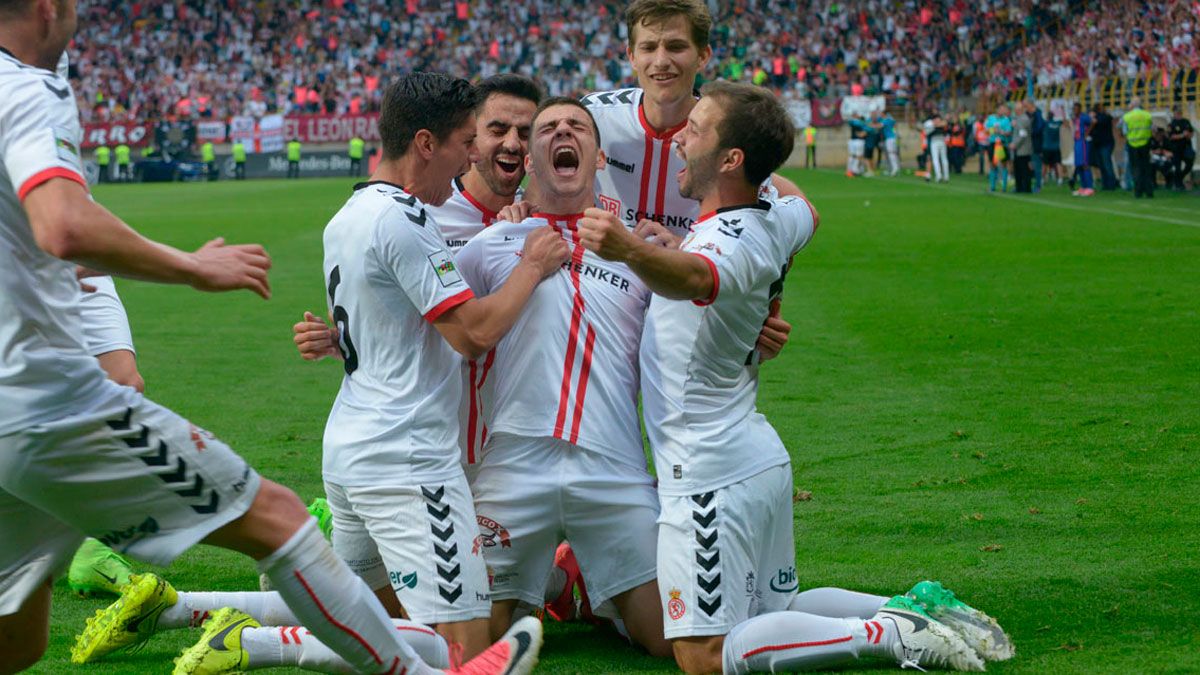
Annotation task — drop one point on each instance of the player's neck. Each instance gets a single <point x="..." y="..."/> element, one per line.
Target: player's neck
<point x="477" y="187"/>
<point x="728" y="193"/>
<point x="25" y="51"/>
<point x="409" y="173"/>
<point x="663" y="116"/>
<point x="559" y="204"/>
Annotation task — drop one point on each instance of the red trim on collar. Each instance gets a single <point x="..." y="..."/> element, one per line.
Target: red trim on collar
<point x="665" y="135"/>
<point x="489" y="216"/>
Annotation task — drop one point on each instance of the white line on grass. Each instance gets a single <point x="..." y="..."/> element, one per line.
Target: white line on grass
<point x="1071" y="207"/>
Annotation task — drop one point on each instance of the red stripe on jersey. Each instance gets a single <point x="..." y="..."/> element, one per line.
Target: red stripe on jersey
<point x="448" y="304"/>
<point x="664" y="157"/>
<point x="796" y="645"/>
<point x="716" y="281"/>
<point x="705" y="216"/>
<point x="643" y="194"/>
<point x="572" y="337"/>
<point x="336" y="624"/>
<point x="42" y="176"/>
<point x="585" y="370"/>
<point x="472" y="414"/>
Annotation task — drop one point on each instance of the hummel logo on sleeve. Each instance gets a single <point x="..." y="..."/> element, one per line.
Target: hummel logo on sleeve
<point x="60" y="93"/>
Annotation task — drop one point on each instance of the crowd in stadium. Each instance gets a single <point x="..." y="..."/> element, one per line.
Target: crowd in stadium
<point x="214" y="58"/>
<point x="1124" y="39"/>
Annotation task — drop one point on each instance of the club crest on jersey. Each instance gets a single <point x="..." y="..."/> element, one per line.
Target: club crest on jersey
<point x="611" y="205"/>
<point x="711" y="246"/>
<point x="443" y="264"/>
<point x="490" y="534"/>
<point x="675" y="607"/>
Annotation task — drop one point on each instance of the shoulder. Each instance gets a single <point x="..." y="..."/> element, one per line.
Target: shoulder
<point x="28" y="89"/>
<point x="616" y="98"/>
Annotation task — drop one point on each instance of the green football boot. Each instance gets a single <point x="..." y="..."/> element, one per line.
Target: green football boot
<point x="98" y="570"/>
<point x="979" y="630"/>
<point x="220" y="649"/>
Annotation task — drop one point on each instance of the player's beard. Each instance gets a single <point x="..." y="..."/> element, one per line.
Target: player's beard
<point x="498" y="183"/>
<point x="700" y="177"/>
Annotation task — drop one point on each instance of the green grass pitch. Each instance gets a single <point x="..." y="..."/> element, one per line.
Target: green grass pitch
<point x="1000" y="392"/>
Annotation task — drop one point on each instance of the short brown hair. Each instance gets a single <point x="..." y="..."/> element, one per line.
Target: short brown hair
<point x="657" y="11"/>
<point x="756" y="123"/>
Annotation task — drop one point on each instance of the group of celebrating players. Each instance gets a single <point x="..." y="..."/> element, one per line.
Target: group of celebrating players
<point x="484" y="455"/>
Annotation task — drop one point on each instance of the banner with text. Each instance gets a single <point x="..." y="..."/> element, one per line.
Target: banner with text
<point x="332" y="128"/>
<point x="134" y="134"/>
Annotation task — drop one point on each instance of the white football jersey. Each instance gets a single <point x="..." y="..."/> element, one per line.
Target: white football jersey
<point x="45" y="368"/>
<point x="461" y="217"/>
<point x="699" y="366"/>
<point x="568" y="367"/>
<point x="105" y="323"/>
<point x="388" y="276"/>
<point x="641" y="179"/>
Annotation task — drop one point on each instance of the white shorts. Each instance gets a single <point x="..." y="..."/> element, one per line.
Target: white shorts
<point x="889" y="144"/>
<point x="124" y="470"/>
<point x="420" y="540"/>
<point x="726" y="555"/>
<point x="532" y="493"/>
<point x="857" y="147"/>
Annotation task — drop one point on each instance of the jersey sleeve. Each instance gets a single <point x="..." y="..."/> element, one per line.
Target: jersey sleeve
<point x="410" y="249"/>
<point x="105" y="324"/>
<point x="36" y="145"/>
<point x="802" y="219"/>
<point x="471" y="261"/>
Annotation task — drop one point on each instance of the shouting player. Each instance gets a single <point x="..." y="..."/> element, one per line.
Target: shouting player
<point x="563" y="458"/>
<point x="725" y="480"/>
<point x="155" y="484"/>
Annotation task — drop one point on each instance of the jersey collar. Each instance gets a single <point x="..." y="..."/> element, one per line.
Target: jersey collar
<point x="568" y="221"/>
<point x="650" y="132"/>
<point x="760" y="204"/>
<point x="369" y="183"/>
<point x="488" y="215"/>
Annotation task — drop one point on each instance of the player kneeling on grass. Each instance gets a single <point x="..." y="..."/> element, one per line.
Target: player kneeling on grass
<point x="725" y="479"/>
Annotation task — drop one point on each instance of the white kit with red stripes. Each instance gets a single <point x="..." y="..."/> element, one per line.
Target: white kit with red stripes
<point x="44" y="364"/>
<point x="699" y="368"/>
<point x="388" y="276"/>
<point x="461" y="217"/>
<point x="552" y="359"/>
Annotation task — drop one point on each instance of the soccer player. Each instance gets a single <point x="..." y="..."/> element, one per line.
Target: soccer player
<point x="564" y="457"/>
<point x="935" y="133"/>
<point x="856" y="146"/>
<point x="725" y="481"/>
<point x="397" y="491"/>
<point x="154" y="484"/>
<point x="1083" y="156"/>
<point x="890" y="145"/>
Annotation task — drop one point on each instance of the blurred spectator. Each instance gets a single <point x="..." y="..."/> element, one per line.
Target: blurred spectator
<point x="1179" y="137"/>
<point x="1161" y="157"/>
<point x="1052" y="149"/>
<point x="1102" y="146"/>
<point x="1022" y="150"/>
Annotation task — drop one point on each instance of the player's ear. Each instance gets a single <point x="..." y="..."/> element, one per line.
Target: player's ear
<point x="734" y="159"/>
<point x="601" y="160"/>
<point x="705" y="55"/>
<point x="528" y="165"/>
<point x="424" y="143"/>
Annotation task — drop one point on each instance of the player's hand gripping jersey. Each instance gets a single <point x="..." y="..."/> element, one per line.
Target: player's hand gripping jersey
<point x="388" y="276"/>
<point x="699" y="374"/>
<point x="44" y="364"/>
<point x="573" y="349"/>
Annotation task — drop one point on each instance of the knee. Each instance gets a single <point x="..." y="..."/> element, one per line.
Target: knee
<point x="279" y="505"/>
<point x="696" y="656"/>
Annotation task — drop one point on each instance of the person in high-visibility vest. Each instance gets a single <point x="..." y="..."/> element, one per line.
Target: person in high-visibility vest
<point x="208" y="155"/>
<point x="123" y="173"/>
<point x="293" y="155"/>
<point x="356" y="154"/>
<point x="810" y="147"/>
<point x="239" y="160"/>
<point x="1137" y="127"/>
<point x="103" y="158"/>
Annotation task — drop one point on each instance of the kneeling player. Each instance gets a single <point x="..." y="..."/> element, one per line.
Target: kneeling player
<point x="725" y="481"/>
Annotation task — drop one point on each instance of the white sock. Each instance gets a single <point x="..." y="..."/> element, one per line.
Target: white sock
<point x="555" y="583"/>
<point x="788" y="641"/>
<point x="837" y="603"/>
<point x="336" y="605"/>
<point x="194" y="608"/>
<point x="294" y="646"/>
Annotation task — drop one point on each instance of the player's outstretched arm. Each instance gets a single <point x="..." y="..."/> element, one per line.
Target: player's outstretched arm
<point x="67" y="224"/>
<point x="668" y="272"/>
<point x="474" y="327"/>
